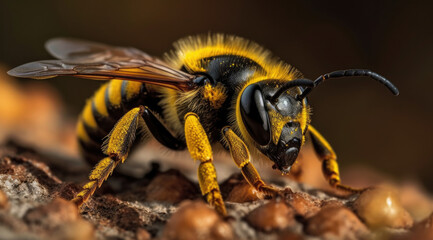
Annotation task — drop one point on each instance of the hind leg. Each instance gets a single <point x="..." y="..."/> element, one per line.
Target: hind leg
<point x="118" y="144"/>
<point x="116" y="147"/>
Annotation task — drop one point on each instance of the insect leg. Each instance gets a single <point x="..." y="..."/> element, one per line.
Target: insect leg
<point x="200" y="149"/>
<point x="329" y="161"/>
<point x="241" y="156"/>
<point x="116" y="147"/>
<point x="160" y="132"/>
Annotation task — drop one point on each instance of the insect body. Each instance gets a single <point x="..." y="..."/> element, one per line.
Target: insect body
<point x="209" y="90"/>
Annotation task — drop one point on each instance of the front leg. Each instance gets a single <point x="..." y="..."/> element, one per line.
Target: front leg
<point x="241" y="157"/>
<point x="200" y="149"/>
<point x="329" y="161"/>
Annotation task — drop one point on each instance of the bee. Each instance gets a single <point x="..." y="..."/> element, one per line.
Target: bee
<point x="210" y="90"/>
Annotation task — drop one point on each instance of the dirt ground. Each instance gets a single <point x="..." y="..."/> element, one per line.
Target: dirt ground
<point x="35" y="190"/>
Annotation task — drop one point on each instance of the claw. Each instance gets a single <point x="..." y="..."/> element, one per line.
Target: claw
<point x="273" y="192"/>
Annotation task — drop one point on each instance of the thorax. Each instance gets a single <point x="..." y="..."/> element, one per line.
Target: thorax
<point x="213" y="102"/>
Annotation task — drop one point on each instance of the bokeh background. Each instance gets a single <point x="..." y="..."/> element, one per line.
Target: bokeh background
<point x="365" y="124"/>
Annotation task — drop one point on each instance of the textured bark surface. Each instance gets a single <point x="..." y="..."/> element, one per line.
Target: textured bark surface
<point x="35" y="189"/>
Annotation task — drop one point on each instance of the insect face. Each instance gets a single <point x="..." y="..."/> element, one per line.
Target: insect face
<point x="275" y="119"/>
<point x="286" y="117"/>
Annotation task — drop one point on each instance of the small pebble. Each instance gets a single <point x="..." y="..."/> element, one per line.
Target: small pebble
<point x="142" y="234"/>
<point x="242" y="192"/>
<point x="415" y="200"/>
<point x="55" y="213"/>
<point x="77" y="230"/>
<point x="272" y="216"/>
<point x="381" y="207"/>
<point x="336" y="223"/>
<point x="4" y="202"/>
<point x="170" y="187"/>
<point x="195" y="220"/>
<point x="304" y="204"/>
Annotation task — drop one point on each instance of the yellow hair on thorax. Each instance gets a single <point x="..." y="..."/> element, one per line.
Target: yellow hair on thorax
<point x="190" y="52"/>
<point x="216" y="95"/>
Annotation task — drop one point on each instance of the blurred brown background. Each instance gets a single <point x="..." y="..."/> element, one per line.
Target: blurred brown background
<point x="362" y="120"/>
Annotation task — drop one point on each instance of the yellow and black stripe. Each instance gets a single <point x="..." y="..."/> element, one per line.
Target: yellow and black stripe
<point x="101" y="112"/>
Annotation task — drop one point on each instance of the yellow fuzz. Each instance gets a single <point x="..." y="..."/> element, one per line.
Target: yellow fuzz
<point x="196" y="139"/>
<point x="207" y="177"/>
<point x="190" y="52"/>
<point x="100" y="168"/>
<point x="238" y="149"/>
<point x="277" y="123"/>
<point x="116" y="142"/>
<point x="215" y="95"/>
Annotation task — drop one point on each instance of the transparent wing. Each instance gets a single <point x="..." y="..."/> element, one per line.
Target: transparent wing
<point x="103" y="62"/>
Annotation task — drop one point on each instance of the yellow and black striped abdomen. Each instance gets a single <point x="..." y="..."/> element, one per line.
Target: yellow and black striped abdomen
<point x="103" y="110"/>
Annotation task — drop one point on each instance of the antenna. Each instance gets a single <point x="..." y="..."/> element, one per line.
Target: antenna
<point x="350" y="73"/>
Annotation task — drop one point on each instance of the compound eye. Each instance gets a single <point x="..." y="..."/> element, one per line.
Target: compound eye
<point x="254" y="115"/>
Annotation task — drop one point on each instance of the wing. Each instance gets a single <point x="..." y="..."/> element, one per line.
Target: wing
<point x="103" y="62"/>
